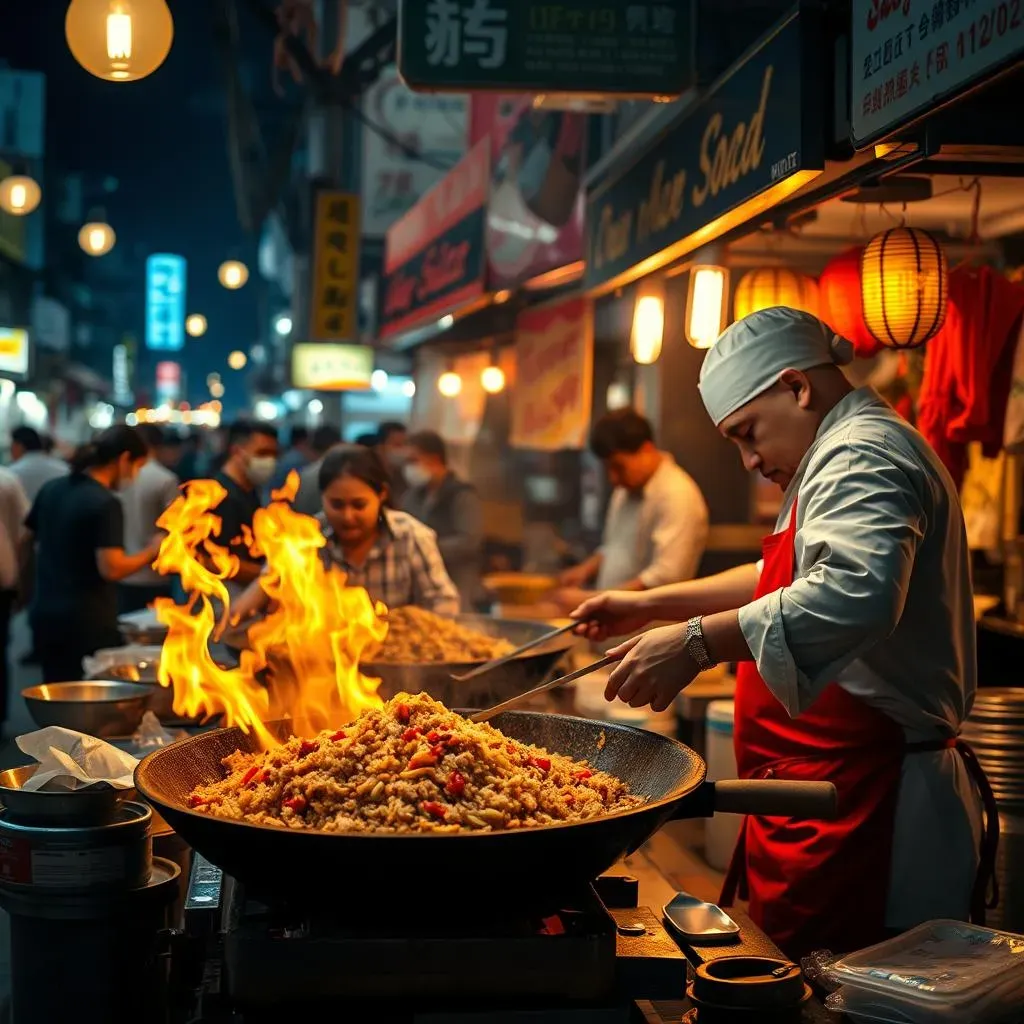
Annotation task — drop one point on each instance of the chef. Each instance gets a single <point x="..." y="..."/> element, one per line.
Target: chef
<point x="855" y="638"/>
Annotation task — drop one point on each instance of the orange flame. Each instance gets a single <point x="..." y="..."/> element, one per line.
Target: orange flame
<point x="306" y="650"/>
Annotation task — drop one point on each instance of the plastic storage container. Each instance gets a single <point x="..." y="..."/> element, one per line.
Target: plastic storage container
<point x="720" y="831"/>
<point x="941" y="972"/>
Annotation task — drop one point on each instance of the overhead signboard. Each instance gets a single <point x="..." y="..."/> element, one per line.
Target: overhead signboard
<point x="622" y="47"/>
<point x="326" y="367"/>
<point x="434" y="256"/>
<point x="334" y="315"/>
<point x="908" y="57"/>
<point x="14" y="352"/>
<point x="756" y="138"/>
<point x="165" y="303"/>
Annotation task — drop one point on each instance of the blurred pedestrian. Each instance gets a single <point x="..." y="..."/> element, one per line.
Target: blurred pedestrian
<point x="299" y="455"/>
<point x="307" y="500"/>
<point x="77" y="523"/>
<point x="190" y="465"/>
<point x="392" y="441"/>
<point x="14" y="508"/>
<point x="31" y="463"/>
<point x="171" y="449"/>
<point x="144" y="501"/>
<point x="249" y="467"/>
<point x="450" y="507"/>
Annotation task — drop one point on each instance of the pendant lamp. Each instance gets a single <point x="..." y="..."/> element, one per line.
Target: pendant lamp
<point x="775" y="286"/>
<point x="904" y="282"/>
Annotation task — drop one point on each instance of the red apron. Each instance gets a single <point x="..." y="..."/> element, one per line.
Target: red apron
<point x="824" y="884"/>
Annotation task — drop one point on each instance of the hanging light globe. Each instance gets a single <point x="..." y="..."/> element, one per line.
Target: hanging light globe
<point x="195" y="325"/>
<point x="775" y="286"/>
<point x="492" y="380"/>
<point x="233" y="274"/>
<point x="19" y="195"/>
<point x="119" y="40"/>
<point x="237" y="360"/>
<point x="904" y="280"/>
<point x="449" y="384"/>
<point x="96" y="238"/>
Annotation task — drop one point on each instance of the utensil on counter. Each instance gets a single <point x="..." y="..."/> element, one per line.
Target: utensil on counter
<point x="527" y="865"/>
<point x="96" y="707"/>
<point x="537" y="641"/>
<point x="59" y="807"/>
<point x="698" y="922"/>
<point x="522" y="698"/>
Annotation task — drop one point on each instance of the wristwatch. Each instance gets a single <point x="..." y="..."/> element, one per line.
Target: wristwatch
<point x="695" y="645"/>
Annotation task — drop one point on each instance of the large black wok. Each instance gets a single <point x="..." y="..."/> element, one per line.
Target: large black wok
<point x="435" y="678"/>
<point x="420" y="869"/>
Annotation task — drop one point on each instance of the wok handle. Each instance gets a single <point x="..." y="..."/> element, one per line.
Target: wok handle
<point x="775" y="798"/>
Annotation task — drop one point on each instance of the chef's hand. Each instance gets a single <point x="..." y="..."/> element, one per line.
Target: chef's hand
<point x="653" y="669"/>
<point x="613" y="613"/>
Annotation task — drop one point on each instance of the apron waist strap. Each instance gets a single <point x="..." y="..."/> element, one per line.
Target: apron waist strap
<point x="985" y="881"/>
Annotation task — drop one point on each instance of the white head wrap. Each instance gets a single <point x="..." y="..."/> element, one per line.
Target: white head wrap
<point x="751" y="354"/>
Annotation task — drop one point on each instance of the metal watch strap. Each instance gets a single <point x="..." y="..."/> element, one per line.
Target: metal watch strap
<point x="696" y="646"/>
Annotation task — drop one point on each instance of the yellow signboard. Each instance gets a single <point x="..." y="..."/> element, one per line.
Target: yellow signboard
<point x="334" y="312"/>
<point x="321" y="367"/>
<point x="13" y="351"/>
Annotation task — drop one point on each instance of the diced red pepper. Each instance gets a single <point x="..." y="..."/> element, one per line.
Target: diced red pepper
<point x="437" y="751"/>
<point x="435" y="810"/>
<point x="410" y="734"/>
<point x="510" y="748"/>
<point x="196" y="801"/>
<point x="543" y="763"/>
<point x="296" y="803"/>
<point x="403" y="712"/>
<point x="583" y="773"/>
<point x="456" y="784"/>
<point x="433" y="736"/>
<point x="264" y="776"/>
<point x="451" y="742"/>
<point x="339" y="735"/>
<point x="250" y="775"/>
<point x="308" y="747"/>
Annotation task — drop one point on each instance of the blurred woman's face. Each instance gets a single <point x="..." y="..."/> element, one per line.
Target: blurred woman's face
<point x="127" y="470"/>
<point x="352" y="509"/>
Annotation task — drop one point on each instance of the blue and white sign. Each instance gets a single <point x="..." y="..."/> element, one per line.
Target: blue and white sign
<point x="165" y="303"/>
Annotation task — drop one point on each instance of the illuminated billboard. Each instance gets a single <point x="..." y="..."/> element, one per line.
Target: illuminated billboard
<point x="165" y="303"/>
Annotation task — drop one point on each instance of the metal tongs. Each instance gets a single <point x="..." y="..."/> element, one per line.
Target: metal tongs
<point x="522" y="698"/>
<point x="489" y="666"/>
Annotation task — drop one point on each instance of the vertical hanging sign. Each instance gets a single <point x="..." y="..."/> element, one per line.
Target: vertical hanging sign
<point x="334" y="311"/>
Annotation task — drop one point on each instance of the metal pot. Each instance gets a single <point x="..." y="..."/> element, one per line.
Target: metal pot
<point x="97" y="707"/>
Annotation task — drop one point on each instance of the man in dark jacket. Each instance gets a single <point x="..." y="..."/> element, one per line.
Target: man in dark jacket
<point x="450" y="507"/>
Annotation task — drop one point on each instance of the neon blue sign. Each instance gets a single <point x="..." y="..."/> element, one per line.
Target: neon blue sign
<point x="165" y="303"/>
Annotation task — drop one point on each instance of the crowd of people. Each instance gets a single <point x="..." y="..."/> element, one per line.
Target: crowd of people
<point x="78" y="535"/>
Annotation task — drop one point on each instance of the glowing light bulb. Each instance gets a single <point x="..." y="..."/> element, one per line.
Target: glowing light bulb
<point x="237" y="360"/>
<point x="195" y="325"/>
<point x="492" y="380"/>
<point x="19" y="196"/>
<point x="96" y="238"/>
<point x="232" y="274"/>
<point x="119" y="40"/>
<point x="449" y="384"/>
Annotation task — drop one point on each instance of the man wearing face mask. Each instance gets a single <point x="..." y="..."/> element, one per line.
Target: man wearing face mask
<point x="451" y="508"/>
<point x="392" y="446"/>
<point x="250" y="466"/>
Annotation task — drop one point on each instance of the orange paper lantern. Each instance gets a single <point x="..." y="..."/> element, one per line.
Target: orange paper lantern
<point x="841" y="304"/>
<point x="775" y="286"/>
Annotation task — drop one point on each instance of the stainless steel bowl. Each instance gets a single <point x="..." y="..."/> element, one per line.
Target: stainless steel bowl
<point x="94" y="805"/>
<point x="97" y="708"/>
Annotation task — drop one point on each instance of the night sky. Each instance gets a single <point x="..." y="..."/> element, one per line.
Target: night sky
<point x="164" y="140"/>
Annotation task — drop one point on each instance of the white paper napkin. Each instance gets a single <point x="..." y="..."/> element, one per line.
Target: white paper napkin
<point x="73" y="760"/>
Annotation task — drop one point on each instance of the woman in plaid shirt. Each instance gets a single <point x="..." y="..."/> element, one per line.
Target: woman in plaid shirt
<point x="394" y="556"/>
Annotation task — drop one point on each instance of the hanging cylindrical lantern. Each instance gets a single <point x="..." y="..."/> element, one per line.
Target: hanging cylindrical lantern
<point x="775" y="286"/>
<point x="96" y="238"/>
<point x="19" y="195"/>
<point x="232" y="274"/>
<point x="841" y="305"/>
<point x="904" y="280"/>
<point x="706" y="305"/>
<point x="449" y="384"/>
<point x="119" y="40"/>
<point x="648" y="329"/>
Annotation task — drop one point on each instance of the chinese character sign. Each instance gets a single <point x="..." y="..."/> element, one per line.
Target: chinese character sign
<point x="322" y="367"/>
<point x="168" y="382"/>
<point x="334" y="313"/>
<point x="626" y="47"/>
<point x="909" y="55"/>
<point x="165" y="303"/>
<point x="554" y="376"/>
